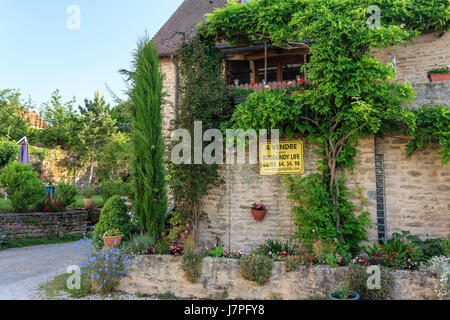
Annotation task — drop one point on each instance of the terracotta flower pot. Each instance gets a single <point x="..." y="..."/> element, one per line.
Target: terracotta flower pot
<point x="439" y="77"/>
<point x="88" y="203"/>
<point x="112" y="241"/>
<point x="259" y="215"/>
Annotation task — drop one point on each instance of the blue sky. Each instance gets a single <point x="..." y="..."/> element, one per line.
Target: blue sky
<point x="39" y="53"/>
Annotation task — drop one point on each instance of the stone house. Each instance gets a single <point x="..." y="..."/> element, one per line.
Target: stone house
<point x="410" y="194"/>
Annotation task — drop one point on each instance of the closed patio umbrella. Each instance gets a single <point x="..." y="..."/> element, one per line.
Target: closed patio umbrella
<point x="23" y="154"/>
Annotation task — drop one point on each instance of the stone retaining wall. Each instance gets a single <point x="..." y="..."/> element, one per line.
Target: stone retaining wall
<point x="221" y="279"/>
<point x="48" y="224"/>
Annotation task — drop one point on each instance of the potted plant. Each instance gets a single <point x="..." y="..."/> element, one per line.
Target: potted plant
<point x="87" y="193"/>
<point x="344" y="293"/>
<point x="439" y="74"/>
<point x="112" y="238"/>
<point x="258" y="211"/>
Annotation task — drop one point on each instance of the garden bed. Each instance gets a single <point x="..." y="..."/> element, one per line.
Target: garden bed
<point x="46" y="224"/>
<point x="220" y="279"/>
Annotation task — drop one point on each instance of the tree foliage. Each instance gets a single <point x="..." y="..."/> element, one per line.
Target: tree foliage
<point x="148" y="165"/>
<point x="96" y="128"/>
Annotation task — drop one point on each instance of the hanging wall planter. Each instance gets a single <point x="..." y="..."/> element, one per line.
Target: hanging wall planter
<point x="259" y="211"/>
<point x="439" y="74"/>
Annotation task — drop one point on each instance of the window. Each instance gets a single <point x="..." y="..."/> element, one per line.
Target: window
<point x="291" y="71"/>
<point x="272" y="72"/>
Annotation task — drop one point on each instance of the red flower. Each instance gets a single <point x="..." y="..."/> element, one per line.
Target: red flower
<point x="253" y="83"/>
<point x="302" y="80"/>
<point x="390" y="259"/>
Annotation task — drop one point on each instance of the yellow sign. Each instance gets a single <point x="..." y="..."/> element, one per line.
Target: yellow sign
<point x="288" y="159"/>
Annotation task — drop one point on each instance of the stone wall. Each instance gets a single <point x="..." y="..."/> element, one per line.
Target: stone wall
<point x="51" y="162"/>
<point x="49" y="224"/>
<point x="221" y="279"/>
<point x="417" y="196"/>
<point x="417" y="189"/>
<point x="431" y="93"/>
<point x="415" y="60"/>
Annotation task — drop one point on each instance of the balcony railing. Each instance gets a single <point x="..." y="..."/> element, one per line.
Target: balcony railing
<point x="258" y="87"/>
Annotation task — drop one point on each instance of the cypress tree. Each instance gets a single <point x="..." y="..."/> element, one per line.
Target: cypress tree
<point x="147" y="138"/>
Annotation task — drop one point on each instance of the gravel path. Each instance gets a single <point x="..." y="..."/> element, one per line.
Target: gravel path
<point x="22" y="270"/>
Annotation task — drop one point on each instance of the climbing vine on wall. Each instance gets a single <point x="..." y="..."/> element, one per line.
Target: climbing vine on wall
<point x="205" y="97"/>
<point x="352" y="95"/>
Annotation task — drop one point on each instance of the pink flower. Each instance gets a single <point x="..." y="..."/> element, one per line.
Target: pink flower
<point x="335" y="240"/>
<point x="267" y="86"/>
<point x="314" y="230"/>
<point x="290" y="83"/>
<point x="278" y="85"/>
<point x="448" y="66"/>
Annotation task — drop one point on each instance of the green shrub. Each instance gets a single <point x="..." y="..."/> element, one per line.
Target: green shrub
<point x="114" y="215"/>
<point x="314" y="215"/>
<point x="115" y="188"/>
<point x="8" y="152"/>
<point x="139" y="243"/>
<point x="425" y="249"/>
<point x="257" y="268"/>
<point x="23" y="185"/>
<point x="357" y="276"/>
<point x="67" y="193"/>
<point x="192" y="266"/>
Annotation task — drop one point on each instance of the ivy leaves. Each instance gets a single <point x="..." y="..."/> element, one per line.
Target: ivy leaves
<point x="432" y="126"/>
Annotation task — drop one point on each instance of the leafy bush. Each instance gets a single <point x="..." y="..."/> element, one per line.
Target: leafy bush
<point x="315" y="211"/>
<point x="257" y="268"/>
<point x="139" y="243"/>
<point x="115" y="188"/>
<point x="8" y="151"/>
<point x="114" y="215"/>
<point x="105" y="268"/>
<point x="6" y="233"/>
<point x="440" y="267"/>
<point x="357" y="276"/>
<point x="48" y="204"/>
<point x="23" y="185"/>
<point x="275" y="248"/>
<point x="192" y="265"/>
<point x="427" y="248"/>
<point x="67" y="193"/>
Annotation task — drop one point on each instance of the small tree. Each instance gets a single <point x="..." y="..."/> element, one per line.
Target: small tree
<point x="97" y="126"/>
<point x="147" y="139"/>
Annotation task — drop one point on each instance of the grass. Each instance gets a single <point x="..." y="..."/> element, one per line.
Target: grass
<point x="5" y="207"/>
<point x="79" y="202"/>
<point x="56" y="288"/>
<point x="19" y="243"/>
